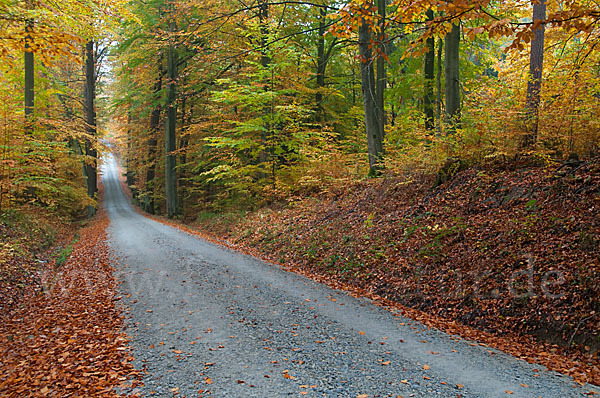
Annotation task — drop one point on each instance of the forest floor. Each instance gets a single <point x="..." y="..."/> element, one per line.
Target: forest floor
<point x="507" y="256"/>
<point x="60" y="323"/>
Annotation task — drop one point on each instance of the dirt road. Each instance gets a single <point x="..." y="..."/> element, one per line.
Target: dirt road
<point x="205" y="319"/>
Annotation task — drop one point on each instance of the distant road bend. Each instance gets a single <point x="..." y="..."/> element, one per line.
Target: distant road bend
<point x="208" y="321"/>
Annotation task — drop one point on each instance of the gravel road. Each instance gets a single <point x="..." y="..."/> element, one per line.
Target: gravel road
<point x="207" y="319"/>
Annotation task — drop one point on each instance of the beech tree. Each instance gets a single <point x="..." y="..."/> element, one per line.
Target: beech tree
<point x="372" y="100"/>
<point x="536" y="67"/>
<point x="171" y="120"/>
<point x="29" y="77"/>
<point x="428" y="75"/>
<point x="149" y="196"/>
<point x="452" y="76"/>
<point x="90" y="164"/>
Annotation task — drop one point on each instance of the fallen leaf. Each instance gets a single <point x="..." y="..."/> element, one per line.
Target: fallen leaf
<point x="361" y="332"/>
<point x="287" y="375"/>
<point x="426" y="367"/>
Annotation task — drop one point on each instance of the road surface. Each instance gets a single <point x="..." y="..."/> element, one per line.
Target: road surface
<point x="207" y="320"/>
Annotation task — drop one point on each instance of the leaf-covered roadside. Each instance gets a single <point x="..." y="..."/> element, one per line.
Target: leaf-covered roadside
<point x="512" y="253"/>
<point x="30" y="239"/>
<point x="67" y="340"/>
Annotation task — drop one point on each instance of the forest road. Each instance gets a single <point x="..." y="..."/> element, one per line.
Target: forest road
<point x="208" y="321"/>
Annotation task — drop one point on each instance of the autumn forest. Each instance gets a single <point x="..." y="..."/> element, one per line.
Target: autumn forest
<point x="438" y="157"/>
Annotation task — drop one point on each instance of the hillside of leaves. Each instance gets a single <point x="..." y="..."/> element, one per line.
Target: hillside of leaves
<point x="30" y="240"/>
<point x="508" y="250"/>
<point x="63" y="334"/>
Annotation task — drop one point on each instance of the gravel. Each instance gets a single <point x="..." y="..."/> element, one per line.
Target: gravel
<point x="206" y="319"/>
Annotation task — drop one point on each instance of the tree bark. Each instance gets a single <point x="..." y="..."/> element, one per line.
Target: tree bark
<point x="429" y="77"/>
<point x="321" y="64"/>
<point x="263" y="16"/>
<point x="170" y="139"/>
<point x="265" y="61"/>
<point x="438" y="112"/>
<point x="374" y="142"/>
<point x="534" y="84"/>
<point x="381" y="76"/>
<point x="452" y="77"/>
<point x="90" y="120"/>
<point x="152" y="143"/>
<point x="29" y="78"/>
<point x="182" y="149"/>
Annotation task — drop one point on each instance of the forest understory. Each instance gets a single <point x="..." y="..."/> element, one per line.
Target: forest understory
<point x="505" y="255"/>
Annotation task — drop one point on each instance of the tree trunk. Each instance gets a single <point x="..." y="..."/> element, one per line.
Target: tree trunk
<point x="29" y="79"/>
<point x="381" y="77"/>
<point x="152" y="143"/>
<point x="170" y="140"/>
<point x="534" y="84"/>
<point x="428" y="75"/>
<point x="452" y="77"/>
<point x="90" y="120"/>
<point x="263" y="16"/>
<point x="265" y="61"/>
<point x="438" y="112"/>
<point x="182" y="148"/>
<point x="321" y="63"/>
<point x="374" y="142"/>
